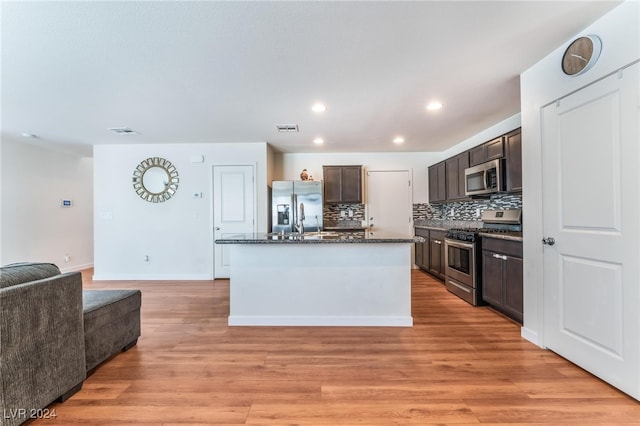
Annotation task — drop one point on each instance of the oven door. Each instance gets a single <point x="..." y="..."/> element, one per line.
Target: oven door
<point x="460" y="261"/>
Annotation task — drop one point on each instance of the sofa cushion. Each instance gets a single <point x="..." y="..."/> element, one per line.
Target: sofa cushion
<point x="101" y="306"/>
<point x="111" y="323"/>
<point x="19" y="273"/>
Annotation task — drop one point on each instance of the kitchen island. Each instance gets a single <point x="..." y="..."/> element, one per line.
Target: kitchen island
<point x="320" y="280"/>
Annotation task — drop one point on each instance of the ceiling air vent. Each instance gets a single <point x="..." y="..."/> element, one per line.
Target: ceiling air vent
<point x="287" y="127"/>
<point x="123" y="131"/>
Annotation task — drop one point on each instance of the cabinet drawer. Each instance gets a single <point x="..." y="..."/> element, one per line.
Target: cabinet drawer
<point x="437" y="235"/>
<point x="422" y="233"/>
<point x="510" y="248"/>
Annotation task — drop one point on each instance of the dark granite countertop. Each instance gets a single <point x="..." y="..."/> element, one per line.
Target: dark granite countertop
<point x="344" y="225"/>
<point x="431" y="227"/>
<point x="443" y="224"/>
<point x="323" y="238"/>
<point x="345" y="228"/>
<point x="511" y="236"/>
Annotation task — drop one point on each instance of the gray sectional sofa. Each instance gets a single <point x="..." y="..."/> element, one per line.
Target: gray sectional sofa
<point x="52" y="333"/>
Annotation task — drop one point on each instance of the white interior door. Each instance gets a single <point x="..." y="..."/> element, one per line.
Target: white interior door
<point x="389" y="201"/>
<point x="233" y="210"/>
<point x="591" y="208"/>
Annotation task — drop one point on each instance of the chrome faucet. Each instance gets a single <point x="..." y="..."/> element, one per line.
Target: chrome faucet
<point x="317" y="225"/>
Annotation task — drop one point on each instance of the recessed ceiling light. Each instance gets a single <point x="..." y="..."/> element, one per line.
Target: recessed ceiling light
<point x="318" y="141"/>
<point x="318" y="107"/>
<point x="399" y="140"/>
<point x="434" y="106"/>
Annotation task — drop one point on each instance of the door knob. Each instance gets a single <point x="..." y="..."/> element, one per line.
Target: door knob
<point x="217" y="228"/>
<point x="548" y="241"/>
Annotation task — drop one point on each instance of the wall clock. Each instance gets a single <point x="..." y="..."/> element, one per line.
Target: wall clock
<point x="155" y="180"/>
<point x="581" y="55"/>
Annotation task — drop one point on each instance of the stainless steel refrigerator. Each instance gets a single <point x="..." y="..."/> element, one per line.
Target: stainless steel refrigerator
<point x="296" y="205"/>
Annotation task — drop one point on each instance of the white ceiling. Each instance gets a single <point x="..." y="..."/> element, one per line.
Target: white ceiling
<point x="180" y="72"/>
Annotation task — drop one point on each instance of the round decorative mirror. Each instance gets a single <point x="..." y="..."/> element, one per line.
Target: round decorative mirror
<point x="155" y="180"/>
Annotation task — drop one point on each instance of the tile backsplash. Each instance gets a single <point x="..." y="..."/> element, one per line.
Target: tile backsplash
<point x="333" y="212"/>
<point x="466" y="210"/>
<point x="462" y="210"/>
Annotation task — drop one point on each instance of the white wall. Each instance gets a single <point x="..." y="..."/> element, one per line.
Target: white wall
<point x="177" y="235"/>
<point x="540" y="85"/>
<point x="1" y="192"/>
<point x="34" y="226"/>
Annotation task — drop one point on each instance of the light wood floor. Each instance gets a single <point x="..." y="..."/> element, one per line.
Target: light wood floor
<point x="457" y="365"/>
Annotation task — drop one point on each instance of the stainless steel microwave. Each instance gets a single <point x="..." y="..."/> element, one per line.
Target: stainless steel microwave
<point x="483" y="179"/>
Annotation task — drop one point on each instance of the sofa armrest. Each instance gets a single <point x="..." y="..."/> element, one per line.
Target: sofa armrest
<point x="41" y="341"/>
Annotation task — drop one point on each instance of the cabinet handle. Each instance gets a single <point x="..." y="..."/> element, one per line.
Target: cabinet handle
<point x="437" y="242"/>
<point x="499" y="256"/>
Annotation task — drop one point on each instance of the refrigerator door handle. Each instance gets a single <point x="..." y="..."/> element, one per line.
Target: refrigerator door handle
<point x="294" y="211"/>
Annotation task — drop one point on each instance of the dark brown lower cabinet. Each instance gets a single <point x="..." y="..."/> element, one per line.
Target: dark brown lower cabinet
<point x="429" y="256"/>
<point x="422" y="250"/>
<point x="502" y="276"/>
<point x="436" y="253"/>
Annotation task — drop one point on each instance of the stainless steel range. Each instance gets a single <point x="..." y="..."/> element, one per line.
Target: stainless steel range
<point x="463" y="249"/>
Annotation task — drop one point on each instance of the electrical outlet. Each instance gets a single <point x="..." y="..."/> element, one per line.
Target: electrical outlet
<point x="452" y="213"/>
<point x="478" y="212"/>
<point x="342" y="213"/>
<point x="67" y="258"/>
<point x="350" y="213"/>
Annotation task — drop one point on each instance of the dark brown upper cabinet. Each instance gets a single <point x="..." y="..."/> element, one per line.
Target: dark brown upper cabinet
<point x="437" y="182"/>
<point x="513" y="154"/>
<point x="342" y="184"/>
<point x="447" y="180"/>
<point x="455" y="167"/>
<point x="488" y="151"/>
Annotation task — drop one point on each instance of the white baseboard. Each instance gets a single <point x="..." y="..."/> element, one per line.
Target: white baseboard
<point x="531" y="336"/>
<point x="315" y="321"/>
<point x="152" y="277"/>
